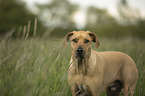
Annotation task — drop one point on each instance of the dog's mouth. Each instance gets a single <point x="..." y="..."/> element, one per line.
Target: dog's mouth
<point x="80" y="55"/>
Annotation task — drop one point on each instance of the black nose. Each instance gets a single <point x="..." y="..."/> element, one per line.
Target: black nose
<point x="80" y="50"/>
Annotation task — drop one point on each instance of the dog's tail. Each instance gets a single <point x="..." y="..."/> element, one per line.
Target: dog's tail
<point x="114" y="89"/>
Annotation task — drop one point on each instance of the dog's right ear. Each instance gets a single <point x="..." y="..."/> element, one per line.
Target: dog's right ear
<point x="67" y="37"/>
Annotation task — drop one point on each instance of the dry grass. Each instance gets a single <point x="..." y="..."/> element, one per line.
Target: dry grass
<point x="38" y="67"/>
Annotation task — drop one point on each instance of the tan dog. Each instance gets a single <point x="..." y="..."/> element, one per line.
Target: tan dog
<point x="92" y="72"/>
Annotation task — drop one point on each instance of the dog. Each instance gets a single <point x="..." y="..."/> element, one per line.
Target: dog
<point x="91" y="72"/>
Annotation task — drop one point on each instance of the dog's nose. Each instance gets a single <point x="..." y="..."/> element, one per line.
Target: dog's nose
<point x="80" y="49"/>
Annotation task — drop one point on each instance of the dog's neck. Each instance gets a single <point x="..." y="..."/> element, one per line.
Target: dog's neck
<point x="81" y="64"/>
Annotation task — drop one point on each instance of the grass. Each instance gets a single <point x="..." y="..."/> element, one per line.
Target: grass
<point x="38" y="67"/>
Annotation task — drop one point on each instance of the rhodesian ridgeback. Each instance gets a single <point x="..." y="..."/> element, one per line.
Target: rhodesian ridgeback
<point x="92" y="72"/>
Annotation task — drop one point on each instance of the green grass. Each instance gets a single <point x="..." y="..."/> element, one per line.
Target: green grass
<point x="38" y="67"/>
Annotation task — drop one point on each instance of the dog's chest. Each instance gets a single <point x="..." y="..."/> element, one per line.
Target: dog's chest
<point x="82" y="79"/>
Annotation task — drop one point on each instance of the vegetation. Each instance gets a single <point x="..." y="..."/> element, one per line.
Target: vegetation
<point x="38" y="67"/>
<point x="15" y="16"/>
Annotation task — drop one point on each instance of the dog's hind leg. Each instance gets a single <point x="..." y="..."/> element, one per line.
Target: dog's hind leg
<point x="131" y="90"/>
<point x="132" y="87"/>
<point x="125" y="90"/>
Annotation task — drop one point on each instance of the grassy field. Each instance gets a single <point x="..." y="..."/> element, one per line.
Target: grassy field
<point x="38" y="67"/>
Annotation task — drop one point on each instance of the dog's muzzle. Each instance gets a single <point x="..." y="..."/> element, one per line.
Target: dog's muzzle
<point x="80" y="53"/>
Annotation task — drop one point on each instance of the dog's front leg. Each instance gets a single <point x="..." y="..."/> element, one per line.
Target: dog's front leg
<point x="95" y="86"/>
<point x="74" y="89"/>
<point x="95" y="90"/>
<point x="72" y="83"/>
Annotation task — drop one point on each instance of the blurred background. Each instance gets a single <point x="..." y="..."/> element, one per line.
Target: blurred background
<point x="55" y="18"/>
<point x="33" y="60"/>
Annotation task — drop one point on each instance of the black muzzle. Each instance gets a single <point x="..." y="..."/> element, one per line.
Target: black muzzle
<point x="80" y="53"/>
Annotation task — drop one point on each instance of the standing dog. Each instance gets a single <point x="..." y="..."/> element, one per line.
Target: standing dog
<point x="91" y="72"/>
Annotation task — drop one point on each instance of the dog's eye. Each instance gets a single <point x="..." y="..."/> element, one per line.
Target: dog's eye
<point x="86" y="41"/>
<point x="74" y="40"/>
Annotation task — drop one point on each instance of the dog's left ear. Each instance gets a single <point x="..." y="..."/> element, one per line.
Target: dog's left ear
<point x="94" y="38"/>
<point x="67" y="37"/>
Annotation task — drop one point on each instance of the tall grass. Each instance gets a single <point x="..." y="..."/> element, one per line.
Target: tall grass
<point x="38" y="67"/>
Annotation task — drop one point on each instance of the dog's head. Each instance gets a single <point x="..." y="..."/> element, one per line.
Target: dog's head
<point x="81" y="43"/>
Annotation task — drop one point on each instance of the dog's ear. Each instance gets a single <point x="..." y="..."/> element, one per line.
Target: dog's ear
<point x="67" y="37"/>
<point x="94" y="38"/>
